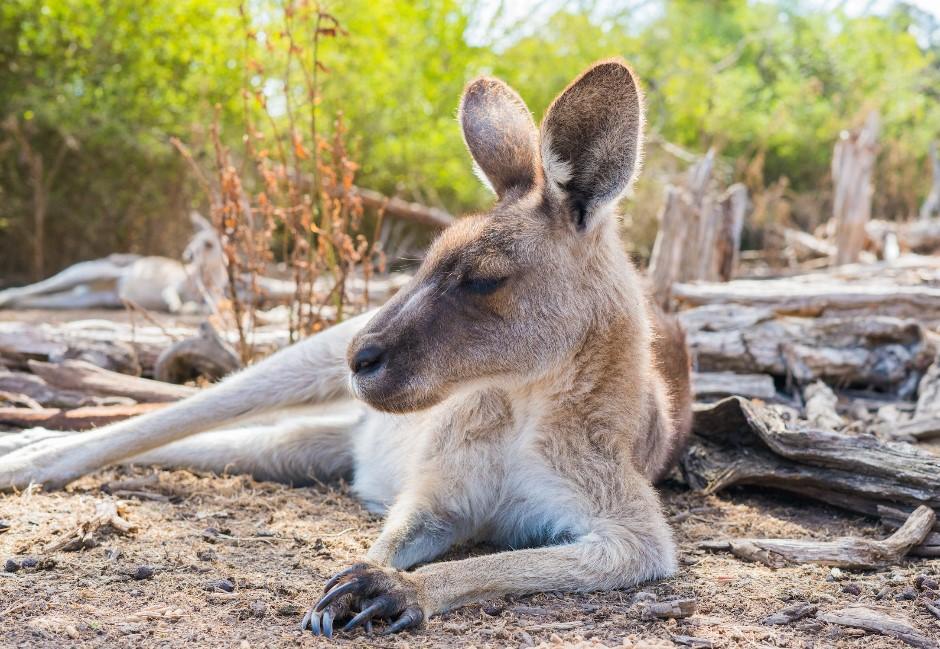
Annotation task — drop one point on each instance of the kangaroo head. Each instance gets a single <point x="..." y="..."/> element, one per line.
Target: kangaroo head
<point x="511" y="293"/>
<point x="204" y="256"/>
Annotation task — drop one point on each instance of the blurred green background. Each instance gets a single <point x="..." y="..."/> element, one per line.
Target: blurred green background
<point x="91" y="91"/>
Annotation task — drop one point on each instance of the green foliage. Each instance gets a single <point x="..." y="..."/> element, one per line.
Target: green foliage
<point x="770" y="83"/>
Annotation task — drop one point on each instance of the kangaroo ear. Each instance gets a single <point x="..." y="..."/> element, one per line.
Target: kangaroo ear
<point x="501" y="135"/>
<point x="199" y="221"/>
<point x="592" y="140"/>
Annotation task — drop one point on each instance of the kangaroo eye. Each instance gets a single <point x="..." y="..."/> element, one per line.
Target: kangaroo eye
<point x="482" y="285"/>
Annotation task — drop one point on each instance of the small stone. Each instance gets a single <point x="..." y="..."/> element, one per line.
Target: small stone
<point x="834" y="575"/>
<point x="492" y="609"/>
<point x="11" y="565"/>
<point x="220" y="585"/>
<point x="906" y="594"/>
<point x="205" y="555"/>
<point x="923" y="582"/>
<point x="30" y="562"/>
<point x="852" y="589"/>
<point x="142" y="572"/>
<point x="258" y="608"/>
<point x="5" y="526"/>
<point x="112" y="554"/>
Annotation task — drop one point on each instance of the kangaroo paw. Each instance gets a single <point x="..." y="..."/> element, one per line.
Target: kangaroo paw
<point x="375" y="593"/>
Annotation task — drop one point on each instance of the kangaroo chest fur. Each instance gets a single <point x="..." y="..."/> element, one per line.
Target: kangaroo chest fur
<point x="486" y="460"/>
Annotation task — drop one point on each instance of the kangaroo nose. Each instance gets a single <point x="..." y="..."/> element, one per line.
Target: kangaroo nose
<point x="367" y="360"/>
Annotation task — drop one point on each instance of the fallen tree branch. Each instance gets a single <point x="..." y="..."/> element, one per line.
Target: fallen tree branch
<point x="878" y="351"/>
<point x="739" y="442"/>
<point x="789" y="297"/>
<point x="723" y="384"/>
<point x="403" y="209"/>
<point x="84" y="377"/>
<point x="108" y="519"/>
<point x="881" y="621"/>
<point x="77" y="419"/>
<point x="790" y="614"/>
<point x="846" y="552"/>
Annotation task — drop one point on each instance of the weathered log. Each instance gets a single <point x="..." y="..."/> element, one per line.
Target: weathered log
<point x="740" y="442"/>
<point x="205" y="355"/>
<point x="76" y="419"/>
<point x="37" y="390"/>
<point x="877" y="351"/>
<point x="928" y="393"/>
<point x="879" y="620"/>
<point x="83" y="377"/>
<point x="18" y="400"/>
<point x="724" y="384"/>
<point x="20" y="343"/>
<point x="789" y="296"/>
<point x="921" y="237"/>
<point x="846" y="552"/>
<point x="805" y="245"/>
<point x="127" y="348"/>
<point x="852" y="165"/>
<point x="820" y="407"/>
<point x="921" y="428"/>
<point x="893" y="518"/>
<point x="925" y="423"/>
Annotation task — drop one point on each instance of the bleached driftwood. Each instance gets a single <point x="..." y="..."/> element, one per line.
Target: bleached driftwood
<point x="699" y="232"/>
<point x="877" y="351"/>
<point x="820" y="406"/>
<point x="75" y="419"/>
<point x="818" y="298"/>
<point x="723" y="384"/>
<point x="847" y="552"/>
<point x="879" y="620"/>
<point x="739" y="442"/>
<point x="34" y="392"/>
<point x="852" y="165"/>
<point x="21" y="342"/>
<point x="127" y="348"/>
<point x="204" y="355"/>
<point x="922" y="237"/>
<point x="805" y="245"/>
<point x="893" y="518"/>
<point x="85" y="378"/>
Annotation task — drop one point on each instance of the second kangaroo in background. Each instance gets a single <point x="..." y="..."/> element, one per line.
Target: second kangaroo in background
<point x="520" y="390"/>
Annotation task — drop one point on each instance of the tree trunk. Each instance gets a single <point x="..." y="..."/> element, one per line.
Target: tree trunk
<point x="699" y="233"/>
<point x="932" y="202"/>
<point x="852" y="165"/>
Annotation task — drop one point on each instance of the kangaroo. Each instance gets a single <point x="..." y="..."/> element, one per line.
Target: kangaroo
<point x="520" y="390"/>
<point x="154" y="283"/>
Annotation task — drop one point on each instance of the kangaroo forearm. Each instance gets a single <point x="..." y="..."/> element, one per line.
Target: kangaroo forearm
<point x="581" y="566"/>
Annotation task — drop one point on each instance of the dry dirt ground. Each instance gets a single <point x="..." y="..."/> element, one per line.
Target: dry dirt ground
<point x="161" y="585"/>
